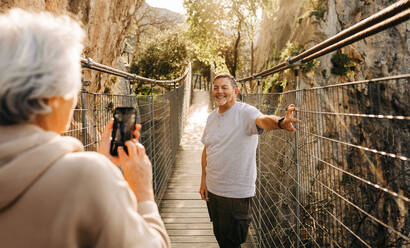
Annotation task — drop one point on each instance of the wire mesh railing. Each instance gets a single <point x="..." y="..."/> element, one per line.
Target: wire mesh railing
<point x="343" y="179"/>
<point x="162" y="118"/>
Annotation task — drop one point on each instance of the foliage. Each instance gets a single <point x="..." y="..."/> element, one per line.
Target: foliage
<point x="293" y="49"/>
<point x="217" y="29"/>
<point x="205" y="28"/>
<point x="318" y="8"/>
<point x="341" y="64"/>
<point x="162" y="57"/>
<point x="146" y="91"/>
<point x="146" y="23"/>
<point x="277" y="82"/>
<point x="272" y="82"/>
<point x="202" y="68"/>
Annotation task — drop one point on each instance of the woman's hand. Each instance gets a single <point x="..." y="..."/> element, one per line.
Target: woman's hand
<point x="137" y="170"/>
<point x="136" y="165"/>
<point x="105" y="142"/>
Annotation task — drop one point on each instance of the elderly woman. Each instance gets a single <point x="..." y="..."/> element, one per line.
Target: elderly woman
<point x="52" y="193"/>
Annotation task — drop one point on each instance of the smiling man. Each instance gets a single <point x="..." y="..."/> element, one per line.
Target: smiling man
<point x="230" y="140"/>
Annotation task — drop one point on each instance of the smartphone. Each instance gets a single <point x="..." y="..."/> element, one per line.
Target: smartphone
<point x="125" y="119"/>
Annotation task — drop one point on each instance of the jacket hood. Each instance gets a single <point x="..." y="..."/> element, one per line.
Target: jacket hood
<point x="26" y="152"/>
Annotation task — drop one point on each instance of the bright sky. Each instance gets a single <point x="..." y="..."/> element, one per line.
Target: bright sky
<point x="174" y="5"/>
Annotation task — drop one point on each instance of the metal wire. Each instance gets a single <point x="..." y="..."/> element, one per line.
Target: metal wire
<point x="162" y="118"/>
<point x="347" y="171"/>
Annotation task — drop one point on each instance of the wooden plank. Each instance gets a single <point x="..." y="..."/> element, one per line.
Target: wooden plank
<point x="186" y="220"/>
<point x="247" y="245"/>
<point x="187" y="170"/>
<point x="185" y="176"/>
<point x="186" y="184"/>
<point x="183" y="203"/>
<point x="207" y="232"/>
<point x="191" y="181"/>
<point x="186" y="215"/>
<point x="194" y="245"/>
<point x="182" y="186"/>
<point x="184" y="210"/>
<point x="193" y="239"/>
<point x="183" y="190"/>
<point x="183" y="196"/>
<point x="196" y="226"/>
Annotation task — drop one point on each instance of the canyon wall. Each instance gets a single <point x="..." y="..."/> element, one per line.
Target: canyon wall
<point x="105" y="24"/>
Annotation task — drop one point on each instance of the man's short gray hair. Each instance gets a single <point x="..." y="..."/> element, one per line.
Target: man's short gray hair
<point x="39" y="59"/>
<point x="228" y="76"/>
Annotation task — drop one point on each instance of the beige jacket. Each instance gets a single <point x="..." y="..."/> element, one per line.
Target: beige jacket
<point x="52" y="194"/>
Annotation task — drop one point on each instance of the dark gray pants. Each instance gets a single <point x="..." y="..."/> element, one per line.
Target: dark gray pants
<point x="230" y="219"/>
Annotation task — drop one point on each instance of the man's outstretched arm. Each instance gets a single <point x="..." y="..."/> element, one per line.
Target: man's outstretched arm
<point x="270" y="122"/>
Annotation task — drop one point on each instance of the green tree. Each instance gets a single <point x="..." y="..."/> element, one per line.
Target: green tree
<point x="163" y="56"/>
<point x="216" y="29"/>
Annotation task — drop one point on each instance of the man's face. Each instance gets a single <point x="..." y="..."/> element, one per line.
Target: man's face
<point x="223" y="91"/>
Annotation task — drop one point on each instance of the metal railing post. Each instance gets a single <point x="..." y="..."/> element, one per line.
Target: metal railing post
<point x="95" y="120"/>
<point x="297" y="103"/>
<point x="259" y="228"/>
<point x="152" y="139"/>
<point x="83" y="113"/>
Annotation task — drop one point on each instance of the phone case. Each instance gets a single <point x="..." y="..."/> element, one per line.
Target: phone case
<point x="125" y="119"/>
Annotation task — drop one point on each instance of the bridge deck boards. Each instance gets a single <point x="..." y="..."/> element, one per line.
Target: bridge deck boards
<point x="184" y="213"/>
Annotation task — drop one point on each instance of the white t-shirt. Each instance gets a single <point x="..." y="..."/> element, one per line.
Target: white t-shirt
<point x="231" y="140"/>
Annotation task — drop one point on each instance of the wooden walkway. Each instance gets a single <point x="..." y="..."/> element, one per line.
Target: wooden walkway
<point x="184" y="213"/>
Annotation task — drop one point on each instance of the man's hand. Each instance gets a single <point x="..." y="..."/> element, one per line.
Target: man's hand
<point x="105" y="142"/>
<point x="287" y="123"/>
<point x="203" y="191"/>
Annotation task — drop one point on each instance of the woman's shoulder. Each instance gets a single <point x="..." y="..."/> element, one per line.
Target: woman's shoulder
<point x="88" y="164"/>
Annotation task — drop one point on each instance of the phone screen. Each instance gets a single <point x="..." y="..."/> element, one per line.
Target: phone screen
<point x="125" y="119"/>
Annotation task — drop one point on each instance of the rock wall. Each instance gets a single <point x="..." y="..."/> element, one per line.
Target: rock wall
<point x="308" y="22"/>
<point x="105" y="23"/>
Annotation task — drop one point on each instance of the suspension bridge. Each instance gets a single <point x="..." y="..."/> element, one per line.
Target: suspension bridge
<point x="341" y="180"/>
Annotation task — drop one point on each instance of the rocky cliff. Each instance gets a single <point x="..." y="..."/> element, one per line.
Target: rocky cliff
<point x="105" y="23"/>
<point x="291" y="26"/>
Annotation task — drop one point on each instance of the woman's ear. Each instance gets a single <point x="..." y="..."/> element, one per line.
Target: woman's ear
<point x="53" y="102"/>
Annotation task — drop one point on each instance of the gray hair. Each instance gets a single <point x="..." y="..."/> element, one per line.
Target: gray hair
<point x="228" y="76"/>
<point x="39" y="59"/>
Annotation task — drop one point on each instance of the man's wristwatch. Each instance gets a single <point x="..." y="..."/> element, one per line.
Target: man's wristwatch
<point x="279" y="121"/>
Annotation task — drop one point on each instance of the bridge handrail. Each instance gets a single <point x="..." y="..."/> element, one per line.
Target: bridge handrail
<point x="388" y="17"/>
<point x="90" y="64"/>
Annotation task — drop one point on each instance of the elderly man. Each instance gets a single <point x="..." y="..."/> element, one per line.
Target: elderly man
<point x="52" y="193"/>
<point x="229" y="160"/>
